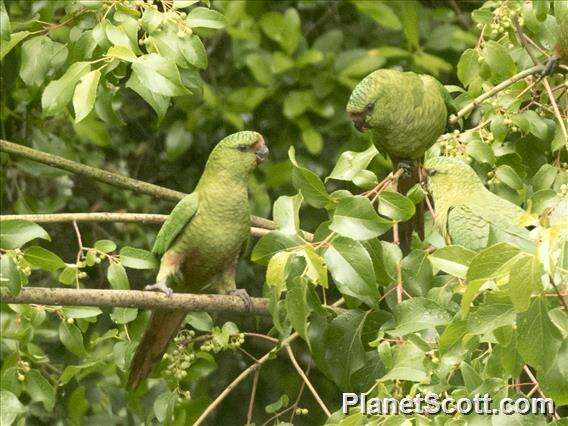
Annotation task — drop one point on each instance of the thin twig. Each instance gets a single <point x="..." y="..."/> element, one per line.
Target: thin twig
<point x="252" y="396"/>
<point x="79" y="252"/>
<point x="490" y="93"/>
<point x="300" y="392"/>
<point x="307" y="381"/>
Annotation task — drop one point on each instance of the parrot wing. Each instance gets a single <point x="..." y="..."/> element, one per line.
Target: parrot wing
<point x="179" y="217"/>
<point x="468" y="229"/>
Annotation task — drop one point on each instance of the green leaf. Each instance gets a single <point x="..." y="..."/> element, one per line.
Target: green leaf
<point x="345" y="352"/>
<point x="152" y="19"/>
<point x="509" y="177"/>
<point x="297" y="306"/>
<point x="58" y="93"/>
<point x="276" y="271"/>
<point x="15" y="38"/>
<point x="480" y="151"/>
<point x="493" y="313"/>
<point x="193" y="51"/>
<point x="68" y="276"/>
<point x="272" y="243"/>
<point x="72" y="339"/>
<point x="10" y="407"/>
<point x="10" y="276"/>
<point x="286" y="214"/>
<point x="538" y="339"/>
<point x="40" y="390"/>
<point x="351" y="163"/>
<point x="125" y="34"/>
<point x="308" y="183"/>
<point x="93" y="130"/>
<point x="544" y="178"/>
<point x="354" y="217"/>
<point x="396" y="206"/>
<point x="489" y="264"/>
<point x="81" y="311"/>
<point x="408" y="12"/>
<point x="554" y="381"/>
<point x="316" y="269"/>
<point x="121" y="52"/>
<point x="281" y="402"/>
<point x="42" y="258"/>
<point x="123" y="315"/>
<point x="283" y="28"/>
<point x="453" y="260"/>
<point x="4" y="23"/>
<point x="137" y="258"/>
<point x="15" y="233"/>
<point x="468" y="67"/>
<point x="39" y="54"/>
<point x="159" y="75"/>
<point x="418" y="314"/>
<point x="380" y="12"/>
<point x="106" y="246"/>
<point x="202" y="17"/>
<point x="352" y="269"/>
<point x="117" y="277"/>
<point x="408" y="364"/>
<point x="200" y="321"/>
<point x="524" y="279"/>
<point x="499" y="61"/>
<point x="164" y="406"/>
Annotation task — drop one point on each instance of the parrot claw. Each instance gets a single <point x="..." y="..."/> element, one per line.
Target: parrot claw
<point x="160" y="286"/>
<point x="550" y="66"/>
<point x="244" y="296"/>
<point x="406" y="167"/>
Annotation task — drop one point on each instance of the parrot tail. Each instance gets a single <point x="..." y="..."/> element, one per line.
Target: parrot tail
<point x="164" y="325"/>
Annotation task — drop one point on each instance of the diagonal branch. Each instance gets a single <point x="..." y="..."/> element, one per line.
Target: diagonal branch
<point x="501" y="86"/>
<point x="105" y="217"/>
<point x="110" y="178"/>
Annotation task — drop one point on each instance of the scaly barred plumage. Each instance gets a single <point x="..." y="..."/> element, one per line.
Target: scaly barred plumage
<point x="467" y="212"/>
<point x="406" y="113"/>
<point x="201" y="240"/>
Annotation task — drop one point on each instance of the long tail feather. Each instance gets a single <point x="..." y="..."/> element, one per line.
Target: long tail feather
<point x="164" y="325"/>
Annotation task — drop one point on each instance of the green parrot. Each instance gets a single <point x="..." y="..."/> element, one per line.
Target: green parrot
<point x="406" y="113"/>
<point x="201" y="240"/>
<point x="467" y="212"/>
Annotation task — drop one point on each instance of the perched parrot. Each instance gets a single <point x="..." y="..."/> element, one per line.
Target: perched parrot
<point x="201" y="240"/>
<point x="406" y="113"/>
<point x="467" y="212"/>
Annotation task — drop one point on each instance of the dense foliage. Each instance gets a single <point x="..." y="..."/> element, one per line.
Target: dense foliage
<point x="146" y="88"/>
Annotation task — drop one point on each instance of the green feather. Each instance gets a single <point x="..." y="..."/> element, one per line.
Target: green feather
<point x="179" y="217"/>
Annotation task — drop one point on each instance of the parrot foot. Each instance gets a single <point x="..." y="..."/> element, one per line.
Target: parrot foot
<point x="160" y="286"/>
<point x="244" y="296"/>
<point x="406" y="167"/>
<point x="550" y="66"/>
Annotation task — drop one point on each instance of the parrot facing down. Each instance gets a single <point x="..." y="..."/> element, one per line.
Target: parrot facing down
<point x="467" y="212"/>
<point x="405" y="113"/>
<point x="201" y="240"/>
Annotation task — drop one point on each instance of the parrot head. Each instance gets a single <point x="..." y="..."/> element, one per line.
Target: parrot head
<point x="241" y="152"/>
<point x="363" y="107"/>
<point x="449" y="173"/>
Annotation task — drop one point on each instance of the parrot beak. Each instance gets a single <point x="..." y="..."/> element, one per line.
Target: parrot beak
<point x="358" y="118"/>
<point x="261" y="151"/>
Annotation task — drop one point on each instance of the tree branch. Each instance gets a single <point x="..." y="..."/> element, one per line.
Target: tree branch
<point x="501" y="86"/>
<point x="100" y="175"/>
<point x="104" y="217"/>
<point x="136" y="299"/>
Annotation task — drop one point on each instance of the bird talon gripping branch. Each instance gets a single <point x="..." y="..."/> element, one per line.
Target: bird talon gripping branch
<point x="244" y="296"/>
<point x="160" y="286"/>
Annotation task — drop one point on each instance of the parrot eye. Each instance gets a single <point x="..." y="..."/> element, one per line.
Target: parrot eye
<point x="369" y="108"/>
<point x="243" y="148"/>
